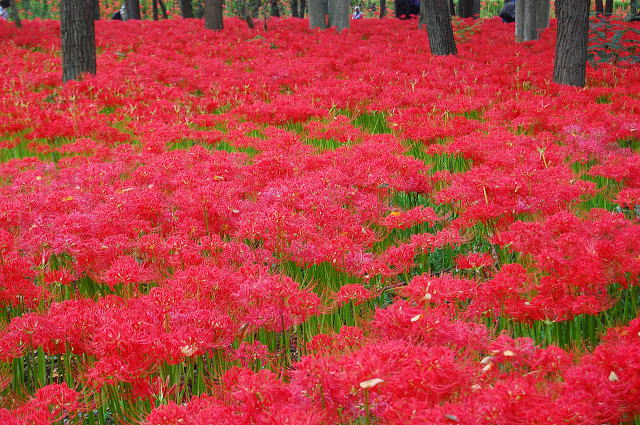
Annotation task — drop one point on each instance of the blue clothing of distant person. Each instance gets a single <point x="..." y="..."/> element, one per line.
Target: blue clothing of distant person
<point x="357" y="14"/>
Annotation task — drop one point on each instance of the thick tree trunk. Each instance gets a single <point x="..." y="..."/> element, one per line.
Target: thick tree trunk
<point x="78" y="38"/>
<point x="599" y="6"/>
<point x="383" y="9"/>
<point x="331" y="10"/>
<point x="213" y="15"/>
<point x="293" y="5"/>
<point x="465" y="8"/>
<point x="452" y="8"/>
<point x="439" y="28"/>
<point x="520" y="12"/>
<point x="186" y="9"/>
<point x="530" y="20"/>
<point x="303" y="8"/>
<point x="317" y="14"/>
<point x="476" y="8"/>
<point x="571" y="42"/>
<point x="608" y="7"/>
<point x="133" y="9"/>
<point x="544" y="9"/>
<point x="342" y="15"/>
<point x="13" y="12"/>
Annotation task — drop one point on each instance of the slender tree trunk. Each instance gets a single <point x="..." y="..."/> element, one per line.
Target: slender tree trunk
<point x="520" y="13"/>
<point x="303" y="8"/>
<point x="599" y="6"/>
<point x="422" y="20"/>
<point x="96" y="10"/>
<point x="186" y="9"/>
<point x="331" y="11"/>
<point x="245" y="15"/>
<point x="78" y="38"/>
<point x="342" y="15"/>
<point x="530" y="20"/>
<point x="15" y="15"/>
<point x="439" y="28"/>
<point x="154" y="9"/>
<point x="163" y="9"/>
<point x="452" y="8"/>
<point x="476" y="8"/>
<point x="383" y="9"/>
<point x="293" y="5"/>
<point x="213" y="15"/>
<point x="465" y="8"/>
<point x="608" y="7"/>
<point x="133" y="9"/>
<point x="317" y="12"/>
<point x="571" y="42"/>
<point x="544" y="9"/>
<point x="275" y="8"/>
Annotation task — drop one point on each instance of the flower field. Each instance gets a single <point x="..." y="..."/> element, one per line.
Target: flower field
<point x="299" y="227"/>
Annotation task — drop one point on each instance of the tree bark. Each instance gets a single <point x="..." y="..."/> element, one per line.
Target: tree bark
<point x="520" y="12"/>
<point x="133" y="9"/>
<point x="96" y="10"/>
<point x="13" y="12"/>
<point x="476" y="8"/>
<point x="317" y="12"/>
<point x="154" y="9"/>
<point x="544" y="9"/>
<point x="452" y="8"/>
<point x="78" y="38"/>
<point x="186" y="9"/>
<point x="439" y="29"/>
<point x="530" y="20"/>
<point x="571" y="42"/>
<point x="293" y="5"/>
<point x="342" y="15"/>
<point x="465" y="8"/>
<point x="383" y="9"/>
<point x="213" y="15"/>
<point x="608" y="7"/>
<point x="422" y="20"/>
<point x="303" y="7"/>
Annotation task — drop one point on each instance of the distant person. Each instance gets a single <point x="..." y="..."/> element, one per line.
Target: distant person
<point x="508" y="12"/>
<point x="4" y="4"/>
<point x="120" y="15"/>
<point x="357" y="14"/>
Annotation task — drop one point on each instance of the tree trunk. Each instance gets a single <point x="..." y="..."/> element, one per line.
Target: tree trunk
<point x="544" y="8"/>
<point x="342" y="15"/>
<point x="186" y="9"/>
<point x="154" y="9"/>
<point x="293" y="5"/>
<point x="422" y="20"/>
<point x="465" y="8"/>
<point x="133" y="9"/>
<point x="520" y="12"/>
<point x="275" y="8"/>
<point x="163" y="9"/>
<point x="383" y="9"/>
<point x="96" y="10"/>
<point x="213" y="15"/>
<point x="476" y="8"/>
<point x="571" y="42"/>
<point x="317" y="12"/>
<point x="303" y="8"/>
<point x="530" y="20"/>
<point x="78" y="38"/>
<point x="608" y="7"/>
<point x="439" y="28"/>
<point x="15" y="15"/>
<point x="599" y="6"/>
<point x="245" y="15"/>
<point x="452" y="8"/>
